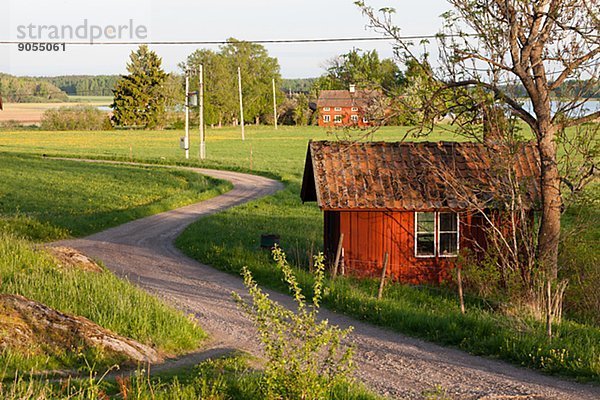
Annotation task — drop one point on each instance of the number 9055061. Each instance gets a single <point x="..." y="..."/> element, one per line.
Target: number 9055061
<point x="41" y="47"/>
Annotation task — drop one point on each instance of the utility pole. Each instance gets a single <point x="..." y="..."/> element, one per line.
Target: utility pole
<point x="201" y="104"/>
<point x="274" y="105"/>
<point x="241" y="102"/>
<point x="186" y="142"/>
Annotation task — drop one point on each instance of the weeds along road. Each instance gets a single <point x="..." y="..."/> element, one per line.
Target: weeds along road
<point x="388" y="362"/>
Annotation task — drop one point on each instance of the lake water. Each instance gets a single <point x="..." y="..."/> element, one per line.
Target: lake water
<point x="588" y="107"/>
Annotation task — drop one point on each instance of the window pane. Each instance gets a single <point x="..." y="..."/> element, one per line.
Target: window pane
<point x="448" y="222"/>
<point x="448" y="244"/>
<point x="425" y="222"/>
<point x="425" y="244"/>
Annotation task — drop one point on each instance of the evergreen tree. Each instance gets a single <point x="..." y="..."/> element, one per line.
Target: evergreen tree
<point x="139" y="99"/>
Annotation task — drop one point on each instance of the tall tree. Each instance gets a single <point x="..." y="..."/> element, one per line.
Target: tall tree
<point x="139" y="98"/>
<point x="486" y="46"/>
<point x="220" y="93"/>
<point x="258" y="70"/>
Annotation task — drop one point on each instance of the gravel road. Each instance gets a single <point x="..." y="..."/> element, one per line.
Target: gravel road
<point x="388" y="362"/>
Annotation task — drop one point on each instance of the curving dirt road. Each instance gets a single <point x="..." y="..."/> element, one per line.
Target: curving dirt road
<point x="388" y="362"/>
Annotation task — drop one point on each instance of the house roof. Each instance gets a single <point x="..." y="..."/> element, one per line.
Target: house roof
<point x="412" y="176"/>
<point x="345" y="98"/>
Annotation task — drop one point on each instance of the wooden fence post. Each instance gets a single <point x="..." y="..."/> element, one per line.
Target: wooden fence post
<point x="460" y="290"/>
<point x="338" y="254"/>
<point x="382" y="282"/>
<point x="549" y="309"/>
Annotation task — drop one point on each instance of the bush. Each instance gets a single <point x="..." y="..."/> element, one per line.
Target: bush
<point x="305" y="357"/>
<point x="77" y="118"/>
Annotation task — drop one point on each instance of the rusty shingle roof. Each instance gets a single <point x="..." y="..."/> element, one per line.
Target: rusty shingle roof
<point x="345" y="98"/>
<point x="411" y="176"/>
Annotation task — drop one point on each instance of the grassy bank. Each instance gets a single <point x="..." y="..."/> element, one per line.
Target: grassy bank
<point x="101" y="297"/>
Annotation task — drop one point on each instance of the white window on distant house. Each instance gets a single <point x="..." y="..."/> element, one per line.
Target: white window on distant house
<point x="354" y="108"/>
<point x="326" y="118"/>
<point x="425" y="234"/>
<point x="337" y="119"/>
<point x="447" y="234"/>
<point x="354" y="118"/>
<point x="326" y="108"/>
<point x="436" y="234"/>
<point x="365" y="120"/>
<point x="338" y="109"/>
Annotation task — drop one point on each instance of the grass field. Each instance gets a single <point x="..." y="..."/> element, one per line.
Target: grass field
<point x="45" y="200"/>
<point x="429" y="314"/>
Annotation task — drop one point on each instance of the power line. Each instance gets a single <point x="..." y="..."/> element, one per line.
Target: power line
<point x="220" y="42"/>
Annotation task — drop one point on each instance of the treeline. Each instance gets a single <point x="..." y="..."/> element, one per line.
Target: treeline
<point x="16" y="89"/>
<point x="585" y="89"/>
<point x="299" y="85"/>
<point x="85" y="85"/>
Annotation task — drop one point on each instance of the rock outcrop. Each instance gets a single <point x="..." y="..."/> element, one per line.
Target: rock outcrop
<point x="28" y="326"/>
<point x="71" y="258"/>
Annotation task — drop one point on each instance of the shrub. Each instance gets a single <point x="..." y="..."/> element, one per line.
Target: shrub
<point x="80" y="118"/>
<point x="305" y="357"/>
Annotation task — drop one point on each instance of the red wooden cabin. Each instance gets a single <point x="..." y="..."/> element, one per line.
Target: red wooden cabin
<point x="385" y="198"/>
<point x="343" y="108"/>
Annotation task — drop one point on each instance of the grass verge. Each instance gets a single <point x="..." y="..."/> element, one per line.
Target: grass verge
<point x="227" y="378"/>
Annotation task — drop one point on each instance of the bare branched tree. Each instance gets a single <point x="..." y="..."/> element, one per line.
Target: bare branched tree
<point x="489" y="49"/>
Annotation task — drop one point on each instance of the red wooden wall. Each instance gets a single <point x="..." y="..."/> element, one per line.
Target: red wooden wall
<point x="368" y="235"/>
<point x="346" y="113"/>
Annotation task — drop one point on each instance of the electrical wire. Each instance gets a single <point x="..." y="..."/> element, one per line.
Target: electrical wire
<point x="221" y="42"/>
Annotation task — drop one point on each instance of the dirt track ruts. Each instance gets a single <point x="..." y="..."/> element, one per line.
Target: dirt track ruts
<point x="388" y="362"/>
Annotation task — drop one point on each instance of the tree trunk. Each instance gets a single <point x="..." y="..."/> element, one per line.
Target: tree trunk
<point x="549" y="232"/>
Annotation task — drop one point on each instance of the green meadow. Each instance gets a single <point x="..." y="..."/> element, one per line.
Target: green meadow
<point x="428" y="313"/>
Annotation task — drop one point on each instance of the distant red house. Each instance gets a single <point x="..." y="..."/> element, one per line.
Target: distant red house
<point x="342" y="108"/>
<point x="384" y="198"/>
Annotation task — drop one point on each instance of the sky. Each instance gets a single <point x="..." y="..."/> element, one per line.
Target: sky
<point x="185" y="20"/>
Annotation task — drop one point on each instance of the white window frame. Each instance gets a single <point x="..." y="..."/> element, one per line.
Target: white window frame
<point x="354" y="108"/>
<point x="338" y="119"/>
<point x="365" y="120"/>
<point x="326" y="118"/>
<point x="337" y="109"/>
<point x="436" y="235"/>
<point x="439" y="232"/>
<point x="326" y="108"/>
<point x="354" y="118"/>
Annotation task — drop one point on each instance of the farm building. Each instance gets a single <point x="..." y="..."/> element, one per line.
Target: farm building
<point x="340" y="108"/>
<point x="393" y="198"/>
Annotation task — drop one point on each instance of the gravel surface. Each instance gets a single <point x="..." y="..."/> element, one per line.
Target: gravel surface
<point x="388" y="362"/>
